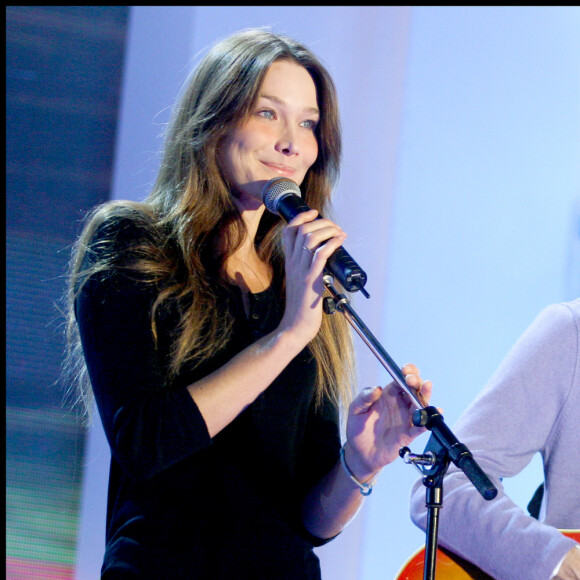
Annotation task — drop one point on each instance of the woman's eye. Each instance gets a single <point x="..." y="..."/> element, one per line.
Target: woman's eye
<point x="267" y="114"/>
<point x="309" y="124"/>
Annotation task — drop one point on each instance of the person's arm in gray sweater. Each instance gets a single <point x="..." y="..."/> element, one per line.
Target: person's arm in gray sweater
<point x="530" y="405"/>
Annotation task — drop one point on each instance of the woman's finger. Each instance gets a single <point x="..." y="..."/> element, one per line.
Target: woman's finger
<point x="365" y="399"/>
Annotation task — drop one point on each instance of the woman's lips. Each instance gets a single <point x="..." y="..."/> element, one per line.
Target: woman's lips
<point x="281" y="169"/>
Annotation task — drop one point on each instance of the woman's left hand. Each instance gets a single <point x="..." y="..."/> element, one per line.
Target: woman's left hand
<point x="380" y="423"/>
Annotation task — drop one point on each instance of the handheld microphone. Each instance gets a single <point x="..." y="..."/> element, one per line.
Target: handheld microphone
<point x="282" y="196"/>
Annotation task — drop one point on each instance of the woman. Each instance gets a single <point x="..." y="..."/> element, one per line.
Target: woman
<point x="196" y="318"/>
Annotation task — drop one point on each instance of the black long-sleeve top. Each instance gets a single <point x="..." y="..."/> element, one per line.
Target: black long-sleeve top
<point x="182" y="504"/>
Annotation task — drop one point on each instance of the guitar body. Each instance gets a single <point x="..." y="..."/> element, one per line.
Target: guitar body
<point x="450" y="566"/>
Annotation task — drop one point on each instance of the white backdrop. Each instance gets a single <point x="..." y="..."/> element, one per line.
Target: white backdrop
<point x="459" y="191"/>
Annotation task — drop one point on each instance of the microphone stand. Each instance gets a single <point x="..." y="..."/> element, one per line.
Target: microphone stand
<point x="442" y="446"/>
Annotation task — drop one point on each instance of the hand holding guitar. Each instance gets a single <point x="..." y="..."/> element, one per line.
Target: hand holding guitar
<point x="570" y="568"/>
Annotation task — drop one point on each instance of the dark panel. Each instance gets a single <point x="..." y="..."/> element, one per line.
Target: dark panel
<point x="63" y="81"/>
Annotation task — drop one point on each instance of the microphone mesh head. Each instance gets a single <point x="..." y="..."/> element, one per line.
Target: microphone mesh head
<point x="277" y="188"/>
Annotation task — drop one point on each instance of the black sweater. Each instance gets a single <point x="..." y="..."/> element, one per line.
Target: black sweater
<point x="181" y="504"/>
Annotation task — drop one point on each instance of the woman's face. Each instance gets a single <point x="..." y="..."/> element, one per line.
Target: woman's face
<point x="277" y="138"/>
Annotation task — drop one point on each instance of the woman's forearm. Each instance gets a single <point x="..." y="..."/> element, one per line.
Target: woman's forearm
<point x="334" y="501"/>
<point x="222" y="395"/>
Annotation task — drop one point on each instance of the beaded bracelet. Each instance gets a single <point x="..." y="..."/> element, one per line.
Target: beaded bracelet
<point x="365" y="488"/>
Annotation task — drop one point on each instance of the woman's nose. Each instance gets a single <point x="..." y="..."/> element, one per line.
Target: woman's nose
<point x="287" y="143"/>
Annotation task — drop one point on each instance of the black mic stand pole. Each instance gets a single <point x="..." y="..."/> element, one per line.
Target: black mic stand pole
<point x="442" y="446"/>
<point x="432" y="464"/>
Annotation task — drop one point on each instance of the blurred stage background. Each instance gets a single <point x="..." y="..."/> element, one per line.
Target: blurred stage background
<point x="460" y="192"/>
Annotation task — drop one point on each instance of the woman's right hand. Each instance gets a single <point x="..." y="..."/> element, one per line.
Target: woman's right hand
<point x="308" y="243"/>
<point x="224" y="393"/>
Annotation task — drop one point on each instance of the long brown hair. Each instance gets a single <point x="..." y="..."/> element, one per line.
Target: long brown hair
<point x="190" y="205"/>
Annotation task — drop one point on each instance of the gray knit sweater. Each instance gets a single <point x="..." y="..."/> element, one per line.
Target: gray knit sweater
<point x="530" y="405"/>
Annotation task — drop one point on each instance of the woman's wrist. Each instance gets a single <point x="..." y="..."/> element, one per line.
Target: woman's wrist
<point x="297" y="334"/>
<point x="356" y="465"/>
<point x="287" y="342"/>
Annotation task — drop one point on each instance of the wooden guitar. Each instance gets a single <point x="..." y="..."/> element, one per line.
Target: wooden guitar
<point x="450" y="566"/>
